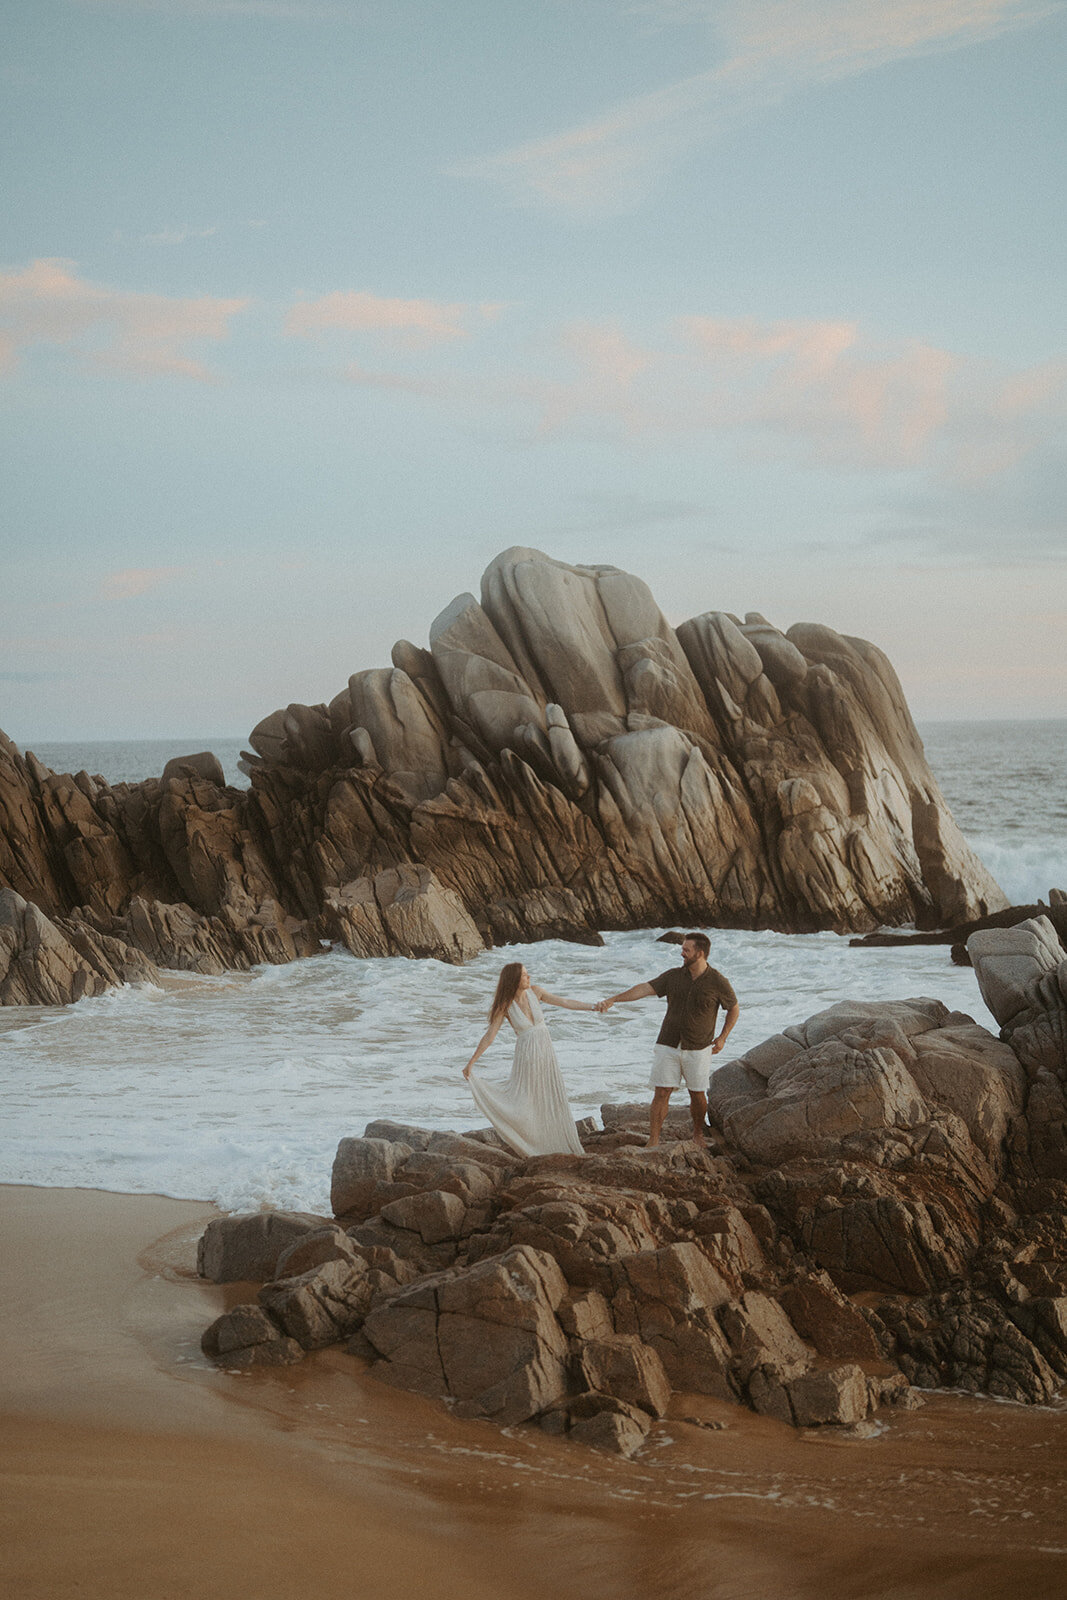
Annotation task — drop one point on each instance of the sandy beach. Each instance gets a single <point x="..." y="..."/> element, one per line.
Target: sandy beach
<point x="133" y="1468"/>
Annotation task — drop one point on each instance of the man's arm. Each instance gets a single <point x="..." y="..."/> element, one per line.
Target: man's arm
<point x="726" y="1029"/>
<point x="640" y="991"/>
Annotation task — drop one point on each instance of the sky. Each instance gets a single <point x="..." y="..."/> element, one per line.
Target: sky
<point x="309" y="308"/>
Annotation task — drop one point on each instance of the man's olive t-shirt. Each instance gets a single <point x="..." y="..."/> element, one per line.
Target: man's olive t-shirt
<point x="692" y="1006"/>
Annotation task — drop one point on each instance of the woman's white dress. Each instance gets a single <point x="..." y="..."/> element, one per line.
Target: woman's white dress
<point x="530" y="1112"/>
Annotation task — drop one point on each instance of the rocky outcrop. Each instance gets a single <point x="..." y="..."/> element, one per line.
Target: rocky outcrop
<point x="559" y="761"/>
<point x="957" y="937"/>
<point x="1022" y="973"/>
<point x="867" y="1220"/>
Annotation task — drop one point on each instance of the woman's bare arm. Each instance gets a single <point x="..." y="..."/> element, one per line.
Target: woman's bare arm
<point x="483" y="1044"/>
<point x="557" y="1000"/>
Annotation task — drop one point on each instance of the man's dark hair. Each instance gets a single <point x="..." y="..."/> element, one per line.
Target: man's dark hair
<point x="702" y="942"/>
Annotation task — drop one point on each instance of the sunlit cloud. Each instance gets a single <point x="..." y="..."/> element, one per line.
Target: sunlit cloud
<point x="112" y="330"/>
<point x="822" y="393"/>
<point x="132" y="582"/>
<point x="411" y="321"/>
<point x="771" y="49"/>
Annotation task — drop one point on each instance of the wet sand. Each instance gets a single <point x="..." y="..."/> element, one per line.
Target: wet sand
<point x="132" y="1468"/>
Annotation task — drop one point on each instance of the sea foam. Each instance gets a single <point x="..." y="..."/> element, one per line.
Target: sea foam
<point x="237" y="1089"/>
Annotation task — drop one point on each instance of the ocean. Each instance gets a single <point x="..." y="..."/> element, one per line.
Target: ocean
<point x="236" y="1089"/>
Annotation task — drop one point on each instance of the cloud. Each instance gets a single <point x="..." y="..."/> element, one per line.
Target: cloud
<point x="132" y="582"/>
<point x="823" y="393"/>
<point x="111" y="330"/>
<point x="850" y="399"/>
<point x="772" y="49"/>
<point x="416" y="322"/>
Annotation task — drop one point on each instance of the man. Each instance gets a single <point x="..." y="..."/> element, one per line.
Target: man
<point x="687" y="1040"/>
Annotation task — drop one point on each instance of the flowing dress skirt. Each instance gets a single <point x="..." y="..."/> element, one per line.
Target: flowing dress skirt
<point x="530" y="1112"/>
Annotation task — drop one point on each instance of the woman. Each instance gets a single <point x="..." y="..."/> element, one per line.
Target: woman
<point x="530" y="1112"/>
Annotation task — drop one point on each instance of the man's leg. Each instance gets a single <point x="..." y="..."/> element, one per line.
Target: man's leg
<point x="696" y="1070"/>
<point x="657" y="1115"/>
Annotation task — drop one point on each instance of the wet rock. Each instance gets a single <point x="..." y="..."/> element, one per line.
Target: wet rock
<point x="760" y="1333"/>
<point x="247" y="1337"/>
<point x="488" y="1336"/>
<point x="966" y="1340"/>
<point x="314" y="1250"/>
<point x="829" y="1395"/>
<point x="626" y="1368"/>
<point x="359" y="1167"/>
<point x="324" y="1305"/>
<point x="827" y="1319"/>
<point x="247" y="1249"/>
<point x="614" y="1426"/>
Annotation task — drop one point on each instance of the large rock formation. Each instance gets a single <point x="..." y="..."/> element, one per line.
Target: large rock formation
<point x="879" y="1210"/>
<point x="559" y="761"/>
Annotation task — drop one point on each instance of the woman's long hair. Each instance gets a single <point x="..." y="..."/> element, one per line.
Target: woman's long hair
<point x="507" y="988"/>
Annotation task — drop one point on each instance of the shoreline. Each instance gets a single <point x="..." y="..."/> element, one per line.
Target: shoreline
<point x="133" y="1467"/>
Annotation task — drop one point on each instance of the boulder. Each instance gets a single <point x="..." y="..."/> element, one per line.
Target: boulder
<point x="247" y="1337"/>
<point x="613" y="1426"/>
<point x="323" y="1305"/>
<point x="759" y="1332"/>
<point x="1022" y="973"/>
<point x="403" y="911"/>
<point x="488" y="1336"/>
<point x="829" y="1395"/>
<point x="38" y="965"/>
<point x="890" y="1083"/>
<point x="359" y="1168"/>
<point x="626" y="1368"/>
<point x="247" y="1249"/>
<point x="330" y="1243"/>
<point x="203" y="765"/>
<point x="434" y="1214"/>
<point x="827" y="1319"/>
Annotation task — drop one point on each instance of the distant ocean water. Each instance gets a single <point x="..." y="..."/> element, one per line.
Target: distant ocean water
<point x="237" y="1088"/>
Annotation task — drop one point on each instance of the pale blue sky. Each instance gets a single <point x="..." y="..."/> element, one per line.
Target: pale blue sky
<point x="309" y="309"/>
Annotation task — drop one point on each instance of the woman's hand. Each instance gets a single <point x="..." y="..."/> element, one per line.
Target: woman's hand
<point x="467" y="1069"/>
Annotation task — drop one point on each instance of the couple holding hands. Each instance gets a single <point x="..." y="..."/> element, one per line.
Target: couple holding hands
<point x="530" y="1112"/>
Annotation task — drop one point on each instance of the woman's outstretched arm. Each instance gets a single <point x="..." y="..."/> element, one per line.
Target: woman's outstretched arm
<point x="483" y="1044"/>
<point x="557" y="1000"/>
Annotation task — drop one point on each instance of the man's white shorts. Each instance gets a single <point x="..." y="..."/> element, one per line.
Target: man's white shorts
<point x="671" y="1067"/>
